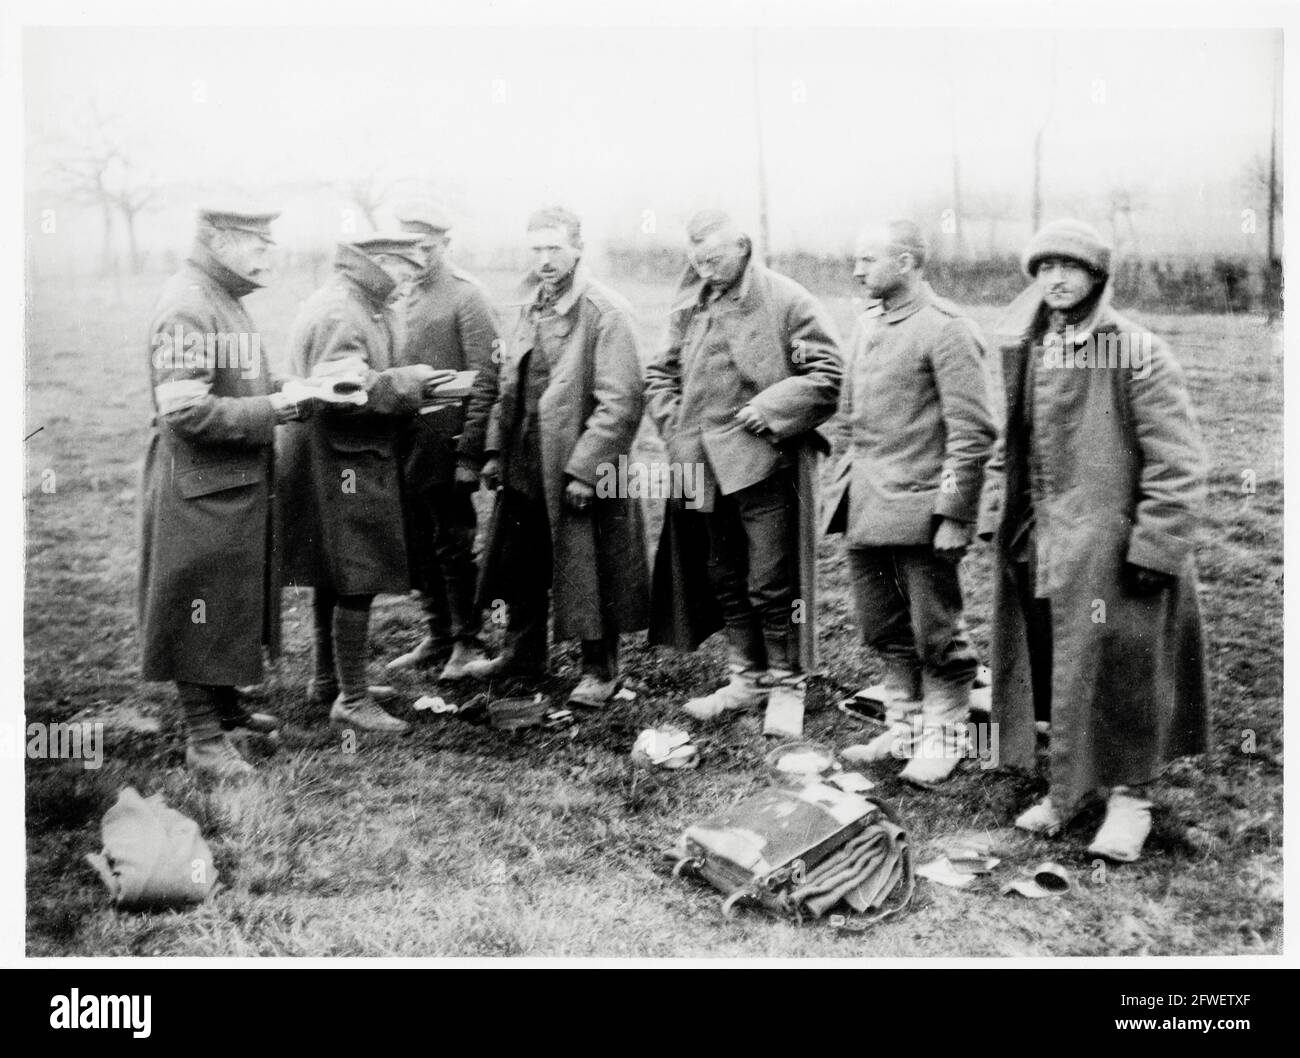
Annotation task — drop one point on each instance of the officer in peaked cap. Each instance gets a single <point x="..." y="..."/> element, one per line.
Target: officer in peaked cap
<point x="205" y="612"/>
<point x="447" y="321"/>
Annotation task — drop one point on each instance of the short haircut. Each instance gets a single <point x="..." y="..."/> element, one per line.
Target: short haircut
<point x="905" y="236"/>
<point x="558" y="217"/>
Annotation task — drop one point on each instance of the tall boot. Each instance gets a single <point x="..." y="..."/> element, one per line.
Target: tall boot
<point x="324" y="685"/>
<point x="945" y="711"/>
<point x="902" y="685"/>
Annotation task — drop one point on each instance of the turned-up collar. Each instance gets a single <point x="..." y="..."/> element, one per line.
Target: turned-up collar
<point x="690" y="288"/>
<point x="532" y="285"/>
<point x="363" y="271"/>
<point x="230" y="281"/>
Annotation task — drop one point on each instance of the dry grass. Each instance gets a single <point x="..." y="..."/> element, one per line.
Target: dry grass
<point x="461" y="841"/>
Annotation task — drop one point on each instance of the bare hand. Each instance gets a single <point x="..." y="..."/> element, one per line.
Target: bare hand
<point x="1139" y="580"/>
<point x="466" y="478"/>
<point x="490" y="475"/>
<point x="578" y="494"/>
<point x="951" y="540"/>
<point x="752" y="420"/>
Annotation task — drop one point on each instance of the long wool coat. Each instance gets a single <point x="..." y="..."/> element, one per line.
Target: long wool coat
<point x="340" y="493"/>
<point x="204" y="607"/>
<point x="1119" y="477"/>
<point x="588" y="417"/>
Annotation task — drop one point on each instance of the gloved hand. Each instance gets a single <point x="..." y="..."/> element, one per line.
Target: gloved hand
<point x="490" y="475"/>
<point x="1139" y="580"/>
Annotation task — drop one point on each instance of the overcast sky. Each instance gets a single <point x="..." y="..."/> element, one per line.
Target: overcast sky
<point x="617" y="122"/>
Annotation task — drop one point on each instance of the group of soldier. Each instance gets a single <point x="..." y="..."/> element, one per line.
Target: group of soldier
<point x="356" y="477"/>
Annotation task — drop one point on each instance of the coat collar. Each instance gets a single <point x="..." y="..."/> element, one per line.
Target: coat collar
<point x="1017" y="323"/>
<point x="363" y="272"/>
<point x="920" y="298"/>
<point x="690" y="286"/>
<point x="531" y="287"/>
<point x="231" y="282"/>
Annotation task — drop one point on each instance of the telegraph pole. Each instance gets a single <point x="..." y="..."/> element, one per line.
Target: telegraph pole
<point x="764" y="240"/>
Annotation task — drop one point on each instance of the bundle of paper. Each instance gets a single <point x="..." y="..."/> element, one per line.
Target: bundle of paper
<point x="447" y="389"/>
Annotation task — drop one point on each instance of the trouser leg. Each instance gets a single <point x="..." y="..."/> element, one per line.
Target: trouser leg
<point x="933" y="589"/>
<point x="455" y="525"/>
<point x="600" y="657"/>
<point x="201" y="707"/>
<point x="729" y="576"/>
<point x="767" y="515"/>
<point x="529" y="603"/>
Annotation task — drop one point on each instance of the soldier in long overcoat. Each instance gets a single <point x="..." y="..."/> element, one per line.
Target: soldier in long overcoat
<point x="206" y="603"/>
<point x="1096" y="623"/>
<point x="570" y="402"/>
<point x="340" y="497"/>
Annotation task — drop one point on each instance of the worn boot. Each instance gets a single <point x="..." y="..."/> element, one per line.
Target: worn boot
<point x="945" y="711"/>
<point x="1040" y="818"/>
<point x="216" y="760"/>
<point x="902" y="686"/>
<point x="745" y="690"/>
<point x="467" y="652"/>
<point x="428" y="652"/>
<point x="1125" y="828"/>
<point x="365" y="713"/>
<point x="594" y="692"/>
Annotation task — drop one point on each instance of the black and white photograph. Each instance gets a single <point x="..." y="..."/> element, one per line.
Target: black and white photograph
<point x="709" y="484"/>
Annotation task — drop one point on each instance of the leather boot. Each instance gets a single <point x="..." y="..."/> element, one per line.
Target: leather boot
<point x="216" y="760"/>
<point x="744" y="691"/>
<point x="466" y="653"/>
<point x="945" y="712"/>
<point x="428" y="652"/>
<point x="902" y="684"/>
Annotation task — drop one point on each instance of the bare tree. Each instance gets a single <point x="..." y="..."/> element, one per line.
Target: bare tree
<point x="92" y="166"/>
<point x="368" y="191"/>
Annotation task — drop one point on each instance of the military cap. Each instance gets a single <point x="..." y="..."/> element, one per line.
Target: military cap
<point x="423" y="217"/>
<point x="397" y="243"/>
<point x="227" y="217"/>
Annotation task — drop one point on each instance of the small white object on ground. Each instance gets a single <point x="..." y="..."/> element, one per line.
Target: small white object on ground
<point x="943" y="872"/>
<point x="434" y="704"/>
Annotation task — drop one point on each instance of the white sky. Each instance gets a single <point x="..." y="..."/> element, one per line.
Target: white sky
<point x="616" y="121"/>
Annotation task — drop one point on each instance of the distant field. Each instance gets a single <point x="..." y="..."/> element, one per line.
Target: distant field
<point x="461" y="841"/>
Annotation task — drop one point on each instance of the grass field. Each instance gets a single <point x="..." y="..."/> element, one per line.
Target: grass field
<point x="462" y="841"/>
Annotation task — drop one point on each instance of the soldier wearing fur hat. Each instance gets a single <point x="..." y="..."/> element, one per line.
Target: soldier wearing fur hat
<point x="341" y="493"/>
<point x="1096" y="623"/>
<point x="205" y="608"/>
<point x="908" y="496"/>
<point x="447" y="322"/>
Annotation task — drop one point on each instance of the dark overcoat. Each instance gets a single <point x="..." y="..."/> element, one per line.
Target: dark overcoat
<point x="340" y="496"/>
<point x="588" y="417"/>
<point x="204" y="606"/>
